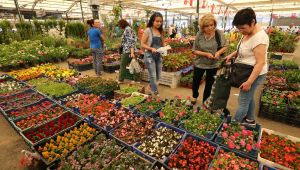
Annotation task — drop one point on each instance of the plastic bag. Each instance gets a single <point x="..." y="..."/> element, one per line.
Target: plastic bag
<point x="164" y="50"/>
<point x="134" y="66"/>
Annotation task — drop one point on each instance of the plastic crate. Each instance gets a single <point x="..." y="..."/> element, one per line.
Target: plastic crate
<point x="271" y="164"/>
<point x="111" y="68"/>
<point x="215" y="145"/>
<point x="171" y="79"/>
<point x="119" y="94"/>
<point x="161" y="124"/>
<point x="81" y="67"/>
<point x="237" y="154"/>
<point x="254" y="152"/>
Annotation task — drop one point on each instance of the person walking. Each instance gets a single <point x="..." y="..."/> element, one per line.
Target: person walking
<point x="252" y="50"/>
<point x="128" y="47"/>
<point x="209" y="45"/>
<point x="152" y="40"/>
<point x="96" y="40"/>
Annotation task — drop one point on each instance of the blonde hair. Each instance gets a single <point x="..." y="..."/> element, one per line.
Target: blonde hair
<point x="205" y="19"/>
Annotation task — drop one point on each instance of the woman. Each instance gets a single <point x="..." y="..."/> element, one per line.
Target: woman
<point x="252" y="51"/>
<point x="152" y="40"/>
<point x="128" y="47"/>
<point x="96" y="44"/>
<point x="209" y="45"/>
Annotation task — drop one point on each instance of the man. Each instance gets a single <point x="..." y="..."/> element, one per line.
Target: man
<point x="172" y="31"/>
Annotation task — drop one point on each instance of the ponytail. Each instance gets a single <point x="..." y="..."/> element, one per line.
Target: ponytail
<point x="90" y="22"/>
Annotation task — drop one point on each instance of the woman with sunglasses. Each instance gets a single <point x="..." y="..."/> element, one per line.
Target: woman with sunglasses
<point x="152" y="40"/>
<point x="209" y="52"/>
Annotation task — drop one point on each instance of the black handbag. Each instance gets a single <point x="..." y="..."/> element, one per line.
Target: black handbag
<point x="218" y="39"/>
<point x="240" y="72"/>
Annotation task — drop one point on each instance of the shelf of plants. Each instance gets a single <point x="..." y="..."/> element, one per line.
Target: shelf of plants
<point x="85" y="129"/>
<point x="280" y="100"/>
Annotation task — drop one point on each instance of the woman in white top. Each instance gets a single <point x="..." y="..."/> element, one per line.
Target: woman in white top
<point x="252" y="51"/>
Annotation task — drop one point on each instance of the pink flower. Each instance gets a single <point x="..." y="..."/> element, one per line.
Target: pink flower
<point x="237" y="147"/>
<point x="178" y="97"/>
<point x="151" y="107"/>
<point x="148" y="100"/>
<point x="236" y="167"/>
<point x="243" y="127"/>
<point x="189" y="97"/>
<point x="161" y="114"/>
<point x="236" y="134"/>
<point x="242" y="142"/>
<point x="225" y="125"/>
<point x="245" y="132"/>
<point x="249" y="147"/>
<point x="232" y="138"/>
<point x="224" y="135"/>
<point x="257" y="145"/>
<point x="232" y="161"/>
<point x="231" y="145"/>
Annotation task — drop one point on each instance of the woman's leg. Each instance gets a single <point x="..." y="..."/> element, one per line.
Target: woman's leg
<point x="209" y="81"/>
<point x="246" y="101"/>
<point x="98" y="61"/>
<point x="125" y="59"/>
<point x="151" y="66"/>
<point x="94" y="54"/>
<point x="198" y="74"/>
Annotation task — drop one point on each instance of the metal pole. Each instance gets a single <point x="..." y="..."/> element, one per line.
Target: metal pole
<point x="197" y="10"/>
<point x="271" y="18"/>
<point x="81" y="11"/>
<point x="166" y="18"/>
<point x="18" y="10"/>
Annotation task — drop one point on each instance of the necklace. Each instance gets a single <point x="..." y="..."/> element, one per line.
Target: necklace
<point x="209" y="38"/>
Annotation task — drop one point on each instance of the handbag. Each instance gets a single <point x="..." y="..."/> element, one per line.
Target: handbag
<point x="240" y="72"/>
<point x="218" y="39"/>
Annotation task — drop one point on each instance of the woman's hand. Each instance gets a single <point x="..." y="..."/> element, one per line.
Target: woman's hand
<point x="246" y="86"/>
<point x="217" y="55"/>
<point x="132" y="55"/>
<point x="153" y="50"/>
<point x="209" y="55"/>
<point x="228" y="58"/>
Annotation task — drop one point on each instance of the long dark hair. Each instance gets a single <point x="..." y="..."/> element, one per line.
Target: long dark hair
<point x="91" y="22"/>
<point x="152" y="19"/>
<point x="123" y="23"/>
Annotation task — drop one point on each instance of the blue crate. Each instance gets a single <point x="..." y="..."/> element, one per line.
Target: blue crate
<point x="236" y="153"/>
<point x="187" y="135"/>
<point x="161" y="124"/>
<point x="254" y="152"/>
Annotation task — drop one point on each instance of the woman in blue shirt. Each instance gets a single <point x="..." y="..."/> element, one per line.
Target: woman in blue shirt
<point x="96" y="44"/>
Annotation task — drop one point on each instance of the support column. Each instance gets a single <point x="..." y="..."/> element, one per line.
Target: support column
<point x="95" y="11"/>
<point x="197" y="10"/>
<point x="81" y="11"/>
<point x="18" y="10"/>
<point x="166" y="18"/>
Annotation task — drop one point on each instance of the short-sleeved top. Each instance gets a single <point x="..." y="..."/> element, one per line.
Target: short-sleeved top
<point x="149" y="34"/>
<point x="210" y="46"/>
<point x="94" y="37"/>
<point x="129" y="40"/>
<point x="246" y="54"/>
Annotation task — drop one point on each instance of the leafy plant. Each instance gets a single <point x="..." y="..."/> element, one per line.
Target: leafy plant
<point x="282" y="41"/>
<point x="76" y="30"/>
<point x="25" y="30"/>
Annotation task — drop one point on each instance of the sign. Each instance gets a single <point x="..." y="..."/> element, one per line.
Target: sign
<point x="40" y="13"/>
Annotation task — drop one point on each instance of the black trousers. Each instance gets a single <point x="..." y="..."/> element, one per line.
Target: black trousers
<point x="209" y="81"/>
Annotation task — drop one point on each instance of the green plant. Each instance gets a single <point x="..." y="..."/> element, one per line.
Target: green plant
<point x="282" y="42"/>
<point x="75" y="29"/>
<point x="98" y="85"/>
<point x="132" y="100"/>
<point x="38" y="26"/>
<point x="25" y="30"/>
<point x="61" y="25"/>
<point x="292" y="76"/>
<point x="6" y="34"/>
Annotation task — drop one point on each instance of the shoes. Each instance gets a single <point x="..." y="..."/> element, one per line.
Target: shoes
<point x="194" y="101"/>
<point x="249" y="122"/>
<point x="120" y="81"/>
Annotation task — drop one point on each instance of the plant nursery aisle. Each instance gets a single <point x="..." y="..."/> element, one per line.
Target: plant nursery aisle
<point x="11" y="143"/>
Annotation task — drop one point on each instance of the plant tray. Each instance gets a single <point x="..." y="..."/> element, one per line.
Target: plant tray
<point x="81" y="67"/>
<point x="271" y="164"/>
<point x="171" y="79"/>
<point x="111" y="68"/>
<point x="119" y="94"/>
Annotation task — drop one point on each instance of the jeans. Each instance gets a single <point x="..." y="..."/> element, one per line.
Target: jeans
<point x="246" y="101"/>
<point x="97" y="54"/>
<point x="209" y="81"/>
<point x="154" y="66"/>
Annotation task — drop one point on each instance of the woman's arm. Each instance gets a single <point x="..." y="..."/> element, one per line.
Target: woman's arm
<point x="199" y="52"/>
<point x="230" y="56"/>
<point x="260" y="57"/>
<point x="144" y="42"/>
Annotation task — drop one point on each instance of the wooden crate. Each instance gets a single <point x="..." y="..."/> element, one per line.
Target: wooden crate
<point x="171" y="79"/>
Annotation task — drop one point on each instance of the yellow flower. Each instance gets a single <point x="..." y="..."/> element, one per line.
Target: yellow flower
<point x="45" y="154"/>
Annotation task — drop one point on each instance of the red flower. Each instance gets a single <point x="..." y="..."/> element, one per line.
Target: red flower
<point x="231" y="145"/>
<point x="248" y="147"/>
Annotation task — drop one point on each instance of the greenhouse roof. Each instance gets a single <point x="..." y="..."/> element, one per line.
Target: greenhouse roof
<point x="136" y="8"/>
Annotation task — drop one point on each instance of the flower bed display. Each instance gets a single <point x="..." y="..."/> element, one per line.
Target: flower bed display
<point x="111" y="118"/>
<point x="28" y="110"/>
<point x="80" y="100"/>
<point x="35" y="97"/>
<point x="98" y="109"/>
<point x="161" y="142"/>
<point x="126" y="91"/>
<point x="128" y="160"/>
<point x="134" y="130"/>
<point x="27" y="74"/>
<point x="174" y="111"/>
<point x="240" y="138"/>
<point x="10" y="98"/>
<point x="193" y="153"/>
<point x="177" y="61"/>
<point x="187" y="80"/>
<point x="99" y="85"/>
<point x="203" y="124"/>
<point x="82" y="64"/>
<point x="283" y="64"/>
<point x="150" y="106"/>
<point x="281" y="150"/>
<point x="61" y="145"/>
<point x="232" y="160"/>
<point x="10" y="86"/>
<point x="52" y="88"/>
<point x="95" y="155"/>
<point x="40" y="118"/>
<point x="132" y="100"/>
<point x="49" y="129"/>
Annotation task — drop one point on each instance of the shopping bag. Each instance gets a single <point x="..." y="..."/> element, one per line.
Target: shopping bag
<point x="134" y="66"/>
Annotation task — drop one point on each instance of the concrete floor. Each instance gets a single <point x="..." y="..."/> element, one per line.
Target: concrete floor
<point x="11" y="143"/>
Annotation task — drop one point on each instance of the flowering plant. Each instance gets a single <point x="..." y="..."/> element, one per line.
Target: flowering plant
<point x="10" y="98"/>
<point x="95" y="155"/>
<point x="22" y="102"/>
<point x="135" y="130"/>
<point x="112" y="117"/>
<point x="40" y="118"/>
<point x="27" y="74"/>
<point x="96" y="109"/>
<point x="128" y="160"/>
<point x="280" y="150"/>
<point x="10" y="86"/>
<point x="203" y="123"/>
<point x="24" y="111"/>
<point x="175" y="110"/>
<point x="150" y="105"/>
<point x="192" y="154"/>
<point x="236" y="136"/>
<point x="98" y="85"/>
<point x="81" y="100"/>
<point x="49" y="129"/>
<point x="230" y="160"/>
<point x="132" y="100"/>
<point x="161" y="143"/>
<point x="62" y="145"/>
